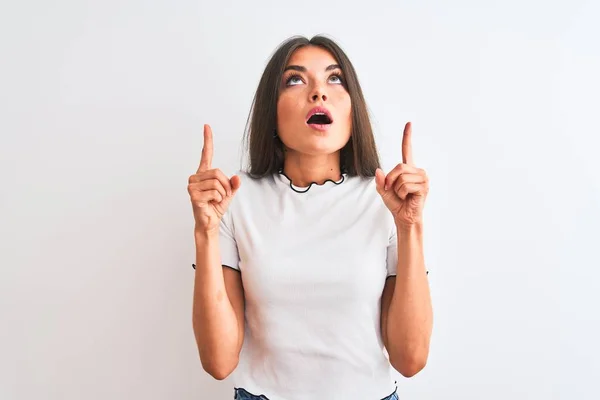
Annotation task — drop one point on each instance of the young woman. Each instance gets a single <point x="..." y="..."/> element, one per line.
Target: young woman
<point x="310" y="279"/>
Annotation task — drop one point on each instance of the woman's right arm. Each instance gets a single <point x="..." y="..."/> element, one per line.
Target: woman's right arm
<point x="218" y="309"/>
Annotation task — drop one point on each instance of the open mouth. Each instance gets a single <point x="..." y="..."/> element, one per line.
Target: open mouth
<point x="319" y="119"/>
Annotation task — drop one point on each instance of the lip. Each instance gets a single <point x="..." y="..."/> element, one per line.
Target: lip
<point x="322" y="110"/>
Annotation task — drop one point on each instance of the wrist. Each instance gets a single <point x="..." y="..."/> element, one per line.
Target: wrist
<point x="203" y="235"/>
<point x="409" y="229"/>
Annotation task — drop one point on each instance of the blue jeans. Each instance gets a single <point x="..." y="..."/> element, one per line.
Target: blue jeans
<point x="241" y="394"/>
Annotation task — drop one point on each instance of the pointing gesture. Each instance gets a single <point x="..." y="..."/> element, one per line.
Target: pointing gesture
<point x="407" y="145"/>
<point x="210" y="190"/>
<point x="405" y="187"/>
<point x="207" y="150"/>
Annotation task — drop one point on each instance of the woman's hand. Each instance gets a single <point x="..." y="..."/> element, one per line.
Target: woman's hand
<point x="210" y="190"/>
<point x="405" y="188"/>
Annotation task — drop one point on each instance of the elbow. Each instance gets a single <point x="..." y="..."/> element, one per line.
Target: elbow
<point x="218" y="374"/>
<point x="219" y="370"/>
<point x="215" y="359"/>
<point x="409" y="366"/>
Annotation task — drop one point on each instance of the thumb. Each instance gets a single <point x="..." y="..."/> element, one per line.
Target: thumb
<point x="236" y="182"/>
<point x="379" y="180"/>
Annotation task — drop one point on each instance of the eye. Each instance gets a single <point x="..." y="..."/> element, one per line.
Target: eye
<point x="336" y="78"/>
<point x="293" y="80"/>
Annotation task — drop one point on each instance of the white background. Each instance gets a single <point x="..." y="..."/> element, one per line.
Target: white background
<point x="101" y="113"/>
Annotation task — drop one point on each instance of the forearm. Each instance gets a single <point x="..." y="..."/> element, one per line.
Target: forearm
<point x="214" y="320"/>
<point x="410" y="316"/>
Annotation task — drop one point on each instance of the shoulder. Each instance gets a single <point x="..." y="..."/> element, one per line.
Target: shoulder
<point x="363" y="187"/>
<point x="363" y="194"/>
<point x="253" y="182"/>
<point x="251" y="189"/>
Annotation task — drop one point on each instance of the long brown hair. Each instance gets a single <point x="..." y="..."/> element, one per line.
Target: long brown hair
<point x="357" y="158"/>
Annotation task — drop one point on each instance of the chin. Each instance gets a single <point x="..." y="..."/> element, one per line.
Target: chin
<point x="321" y="144"/>
<point x="314" y="142"/>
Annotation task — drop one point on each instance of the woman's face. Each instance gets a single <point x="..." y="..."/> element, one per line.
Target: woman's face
<point x="314" y="109"/>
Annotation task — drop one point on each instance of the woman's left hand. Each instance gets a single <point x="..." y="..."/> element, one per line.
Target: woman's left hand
<point x="405" y="187"/>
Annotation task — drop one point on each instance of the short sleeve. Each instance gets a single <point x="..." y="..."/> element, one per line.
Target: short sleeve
<point x="392" y="254"/>
<point x="227" y="244"/>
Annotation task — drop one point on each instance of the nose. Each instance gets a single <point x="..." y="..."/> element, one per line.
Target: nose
<point x="318" y="93"/>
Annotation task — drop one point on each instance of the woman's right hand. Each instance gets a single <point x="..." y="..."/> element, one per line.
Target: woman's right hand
<point x="210" y="190"/>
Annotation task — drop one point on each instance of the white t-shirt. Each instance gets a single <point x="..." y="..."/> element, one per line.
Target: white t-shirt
<point x="313" y="266"/>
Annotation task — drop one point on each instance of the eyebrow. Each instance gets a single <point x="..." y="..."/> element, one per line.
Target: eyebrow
<point x="303" y="69"/>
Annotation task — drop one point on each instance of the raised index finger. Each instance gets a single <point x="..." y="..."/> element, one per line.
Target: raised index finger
<point x="207" y="150"/>
<point x="407" y="157"/>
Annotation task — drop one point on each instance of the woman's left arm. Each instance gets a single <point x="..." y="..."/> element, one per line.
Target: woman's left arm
<point x="406" y="312"/>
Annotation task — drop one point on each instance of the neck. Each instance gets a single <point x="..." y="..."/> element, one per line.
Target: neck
<point x="304" y="169"/>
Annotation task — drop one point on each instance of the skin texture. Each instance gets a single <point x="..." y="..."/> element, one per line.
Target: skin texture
<point x="406" y="314"/>
<point x="218" y="308"/>
<point x="312" y="155"/>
